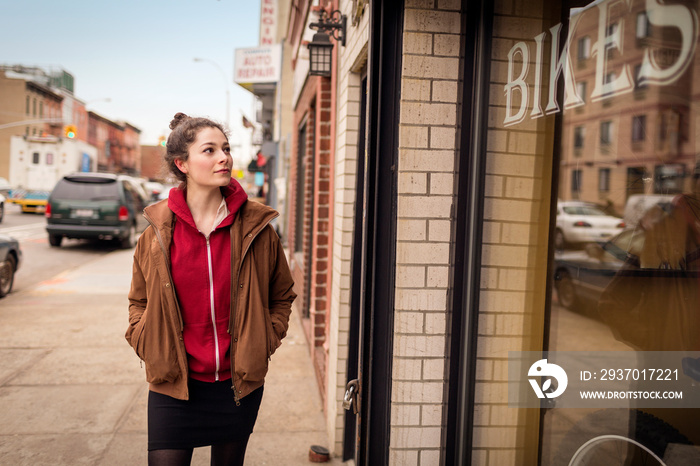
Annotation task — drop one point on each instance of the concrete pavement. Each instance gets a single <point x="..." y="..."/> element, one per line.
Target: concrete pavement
<point x="73" y="392"/>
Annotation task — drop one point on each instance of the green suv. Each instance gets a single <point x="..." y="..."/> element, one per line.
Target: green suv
<point x="96" y="206"/>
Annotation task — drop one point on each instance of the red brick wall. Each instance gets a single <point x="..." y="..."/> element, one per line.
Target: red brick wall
<point x="314" y="105"/>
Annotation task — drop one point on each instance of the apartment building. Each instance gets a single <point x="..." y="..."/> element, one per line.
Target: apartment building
<point x="35" y="102"/>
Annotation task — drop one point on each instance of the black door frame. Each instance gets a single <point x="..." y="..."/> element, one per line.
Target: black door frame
<point x="378" y="267"/>
<point x="477" y="18"/>
<point x="352" y="369"/>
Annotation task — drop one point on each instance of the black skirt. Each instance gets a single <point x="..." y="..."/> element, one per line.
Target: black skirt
<point x="209" y="417"/>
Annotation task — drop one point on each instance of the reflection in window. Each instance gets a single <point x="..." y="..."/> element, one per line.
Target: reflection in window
<point x="638" y="84"/>
<point x="668" y="179"/>
<point x="581" y="90"/>
<point x="584" y="48"/>
<point x="49" y="158"/>
<point x="579" y="137"/>
<point x="604" y="180"/>
<point x="605" y="133"/>
<point x="642" y="25"/>
<point x="639" y="124"/>
<point x="576" y="176"/>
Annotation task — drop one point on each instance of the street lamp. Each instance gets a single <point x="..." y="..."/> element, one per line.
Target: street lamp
<point x="320" y="47"/>
<point x="225" y="84"/>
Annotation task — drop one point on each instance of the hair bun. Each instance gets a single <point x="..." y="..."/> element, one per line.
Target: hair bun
<point x="177" y="120"/>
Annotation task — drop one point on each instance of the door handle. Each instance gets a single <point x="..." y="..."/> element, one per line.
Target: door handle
<point x="350" y="398"/>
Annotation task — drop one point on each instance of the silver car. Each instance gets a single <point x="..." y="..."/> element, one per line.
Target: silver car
<point x="583" y="222"/>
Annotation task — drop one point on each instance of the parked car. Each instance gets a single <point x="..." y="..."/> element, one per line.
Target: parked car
<point x="10" y="260"/>
<point x="153" y="190"/>
<point x="583" y="222"/>
<point x="95" y="206"/>
<point x="2" y="207"/>
<point x="581" y="276"/>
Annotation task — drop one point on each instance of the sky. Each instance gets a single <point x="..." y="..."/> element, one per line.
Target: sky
<point x="139" y="55"/>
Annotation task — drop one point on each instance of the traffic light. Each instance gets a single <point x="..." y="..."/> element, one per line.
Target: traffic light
<point x="70" y="131"/>
<point x="161" y="141"/>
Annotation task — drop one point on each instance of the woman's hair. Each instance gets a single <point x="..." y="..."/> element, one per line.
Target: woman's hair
<point x="184" y="132"/>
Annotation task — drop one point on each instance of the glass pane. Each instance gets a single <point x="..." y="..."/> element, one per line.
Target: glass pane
<point x="593" y="106"/>
<point x="625" y="269"/>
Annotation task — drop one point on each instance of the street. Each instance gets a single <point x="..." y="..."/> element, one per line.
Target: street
<point x="73" y="392"/>
<point x="40" y="261"/>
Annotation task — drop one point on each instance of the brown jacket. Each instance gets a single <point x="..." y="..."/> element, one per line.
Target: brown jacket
<point x="261" y="300"/>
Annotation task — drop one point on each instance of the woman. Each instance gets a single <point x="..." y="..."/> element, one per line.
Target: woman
<point x="210" y="299"/>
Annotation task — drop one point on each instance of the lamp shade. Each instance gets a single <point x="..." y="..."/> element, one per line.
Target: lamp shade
<point x="320" y="49"/>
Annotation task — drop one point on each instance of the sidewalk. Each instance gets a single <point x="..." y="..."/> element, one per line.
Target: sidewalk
<point x="72" y="391"/>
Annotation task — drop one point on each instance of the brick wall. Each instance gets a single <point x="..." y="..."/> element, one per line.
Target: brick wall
<point x="427" y="142"/>
<point x="310" y="265"/>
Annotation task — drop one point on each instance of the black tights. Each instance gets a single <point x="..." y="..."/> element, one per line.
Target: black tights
<point x="223" y="454"/>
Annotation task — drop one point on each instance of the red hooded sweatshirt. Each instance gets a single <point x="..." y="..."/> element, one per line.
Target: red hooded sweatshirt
<point x="201" y="269"/>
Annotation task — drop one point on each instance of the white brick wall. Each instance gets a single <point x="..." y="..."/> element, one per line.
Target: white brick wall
<point x="427" y="142"/>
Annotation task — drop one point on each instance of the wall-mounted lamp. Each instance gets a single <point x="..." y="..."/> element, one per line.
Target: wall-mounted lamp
<point x="320" y="47"/>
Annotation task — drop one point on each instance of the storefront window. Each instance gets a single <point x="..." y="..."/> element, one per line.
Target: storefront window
<point x="624" y="274"/>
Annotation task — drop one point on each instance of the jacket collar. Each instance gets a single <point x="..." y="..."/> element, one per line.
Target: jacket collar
<point x="233" y="193"/>
<point x="253" y="215"/>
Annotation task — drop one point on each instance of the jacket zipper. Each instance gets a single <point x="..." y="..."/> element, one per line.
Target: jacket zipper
<point x="212" y="309"/>
<point x="232" y="325"/>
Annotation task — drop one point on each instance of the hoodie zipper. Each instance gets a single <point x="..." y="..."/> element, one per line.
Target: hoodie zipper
<point x="212" y="310"/>
<point x="232" y="325"/>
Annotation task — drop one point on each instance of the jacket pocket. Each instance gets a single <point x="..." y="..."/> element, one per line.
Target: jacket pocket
<point x="157" y="350"/>
<point x="272" y="340"/>
<point x="253" y="350"/>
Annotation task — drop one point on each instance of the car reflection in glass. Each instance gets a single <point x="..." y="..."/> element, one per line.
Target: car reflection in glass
<point x="643" y="283"/>
<point x="579" y="223"/>
<point x="580" y="277"/>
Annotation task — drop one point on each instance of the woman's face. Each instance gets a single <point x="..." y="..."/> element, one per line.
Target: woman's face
<point x="209" y="161"/>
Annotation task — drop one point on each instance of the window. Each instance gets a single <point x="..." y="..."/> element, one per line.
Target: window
<point x="34" y="107"/>
<point x="604" y="180"/>
<point x="35" y="158"/>
<point x="579" y="137"/>
<point x="28" y="105"/>
<point x="639" y="124"/>
<point x="581" y="88"/>
<point x="611" y="29"/>
<point x="584" y="48"/>
<point x="41" y="109"/>
<point x="605" y="133"/>
<point x="49" y="158"/>
<point x="637" y="84"/>
<point x="576" y="176"/>
<point x="643" y="25"/>
<point x="668" y="179"/>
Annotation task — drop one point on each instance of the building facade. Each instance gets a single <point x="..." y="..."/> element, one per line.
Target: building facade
<point x="432" y="252"/>
<point x="35" y="103"/>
